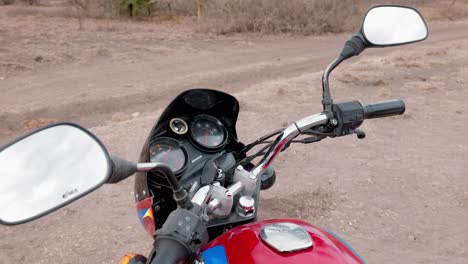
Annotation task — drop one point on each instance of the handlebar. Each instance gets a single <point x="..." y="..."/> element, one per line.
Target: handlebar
<point x="348" y="116"/>
<point x="286" y="137"/>
<point x="384" y="109"/>
<point x="343" y="119"/>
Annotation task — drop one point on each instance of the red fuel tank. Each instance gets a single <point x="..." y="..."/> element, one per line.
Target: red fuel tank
<point x="244" y="245"/>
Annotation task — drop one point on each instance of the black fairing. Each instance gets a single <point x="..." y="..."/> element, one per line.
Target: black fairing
<point x="188" y="104"/>
<point x="221" y="105"/>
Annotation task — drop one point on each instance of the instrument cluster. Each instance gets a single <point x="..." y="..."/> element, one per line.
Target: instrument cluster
<point x="208" y="132"/>
<point x="188" y="141"/>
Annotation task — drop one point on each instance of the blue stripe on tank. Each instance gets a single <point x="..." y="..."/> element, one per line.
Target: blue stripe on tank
<point x="215" y="255"/>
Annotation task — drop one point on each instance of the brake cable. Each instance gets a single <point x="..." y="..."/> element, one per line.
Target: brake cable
<point x="259" y="153"/>
<point x="260" y="141"/>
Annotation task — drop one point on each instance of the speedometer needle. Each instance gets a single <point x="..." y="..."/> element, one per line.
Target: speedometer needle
<point x="206" y="137"/>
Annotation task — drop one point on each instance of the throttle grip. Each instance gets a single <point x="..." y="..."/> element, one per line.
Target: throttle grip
<point x="385" y="108"/>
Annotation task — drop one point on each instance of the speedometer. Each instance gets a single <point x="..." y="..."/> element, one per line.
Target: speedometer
<point x="208" y="132"/>
<point x="168" y="152"/>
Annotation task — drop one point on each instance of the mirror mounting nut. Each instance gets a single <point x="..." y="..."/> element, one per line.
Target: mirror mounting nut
<point x="353" y="47"/>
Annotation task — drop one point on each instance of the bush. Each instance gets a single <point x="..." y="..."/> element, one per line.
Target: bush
<point x="113" y="8"/>
<point x="10" y="2"/>
<point x="135" y="8"/>
<point x="7" y="2"/>
<point x="172" y="8"/>
<point x="94" y="8"/>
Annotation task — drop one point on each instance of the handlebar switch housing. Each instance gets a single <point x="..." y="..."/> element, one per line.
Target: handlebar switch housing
<point x="185" y="227"/>
<point x="350" y="116"/>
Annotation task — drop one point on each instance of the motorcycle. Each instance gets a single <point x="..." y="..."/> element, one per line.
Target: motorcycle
<point x="197" y="189"/>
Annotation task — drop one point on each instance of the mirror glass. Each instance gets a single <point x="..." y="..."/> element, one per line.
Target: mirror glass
<point x="393" y="25"/>
<point x="49" y="169"/>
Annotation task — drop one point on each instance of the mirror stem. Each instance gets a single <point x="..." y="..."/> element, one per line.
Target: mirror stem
<point x="353" y="47"/>
<point x="122" y="169"/>
<point x="327" y="100"/>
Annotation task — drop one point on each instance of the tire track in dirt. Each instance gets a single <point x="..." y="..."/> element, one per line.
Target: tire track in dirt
<point x="89" y="110"/>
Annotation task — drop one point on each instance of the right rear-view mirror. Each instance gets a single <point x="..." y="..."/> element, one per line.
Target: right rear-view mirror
<point x="393" y="25"/>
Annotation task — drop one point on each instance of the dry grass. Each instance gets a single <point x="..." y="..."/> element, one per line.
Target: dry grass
<point x="26" y="2"/>
<point x="279" y="16"/>
<point x="296" y="16"/>
<point x="67" y="8"/>
<point x="58" y="11"/>
<point x="303" y="17"/>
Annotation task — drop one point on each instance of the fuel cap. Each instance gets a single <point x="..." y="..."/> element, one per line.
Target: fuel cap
<point x="286" y="237"/>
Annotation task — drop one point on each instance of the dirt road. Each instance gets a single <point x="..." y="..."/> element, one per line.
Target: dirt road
<point x="399" y="196"/>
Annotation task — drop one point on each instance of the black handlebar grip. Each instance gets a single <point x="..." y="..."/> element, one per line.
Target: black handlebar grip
<point x="385" y="108"/>
<point x="169" y="251"/>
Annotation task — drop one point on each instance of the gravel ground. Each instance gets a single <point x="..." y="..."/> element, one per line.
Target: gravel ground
<point x="400" y="195"/>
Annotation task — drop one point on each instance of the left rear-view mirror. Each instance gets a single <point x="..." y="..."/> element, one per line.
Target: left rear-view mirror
<point x="48" y="169"/>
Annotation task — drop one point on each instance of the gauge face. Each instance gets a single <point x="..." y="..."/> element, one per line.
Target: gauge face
<point x="208" y="132"/>
<point x="168" y="152"/>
